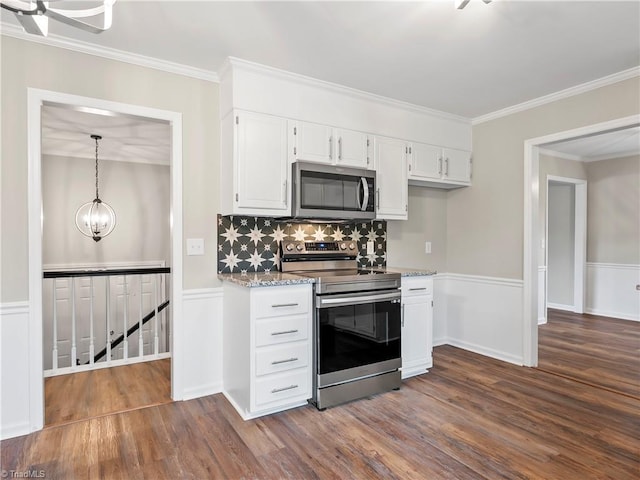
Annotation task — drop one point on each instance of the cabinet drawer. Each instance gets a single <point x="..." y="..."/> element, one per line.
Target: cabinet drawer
<point x="279" y="330"/>
<point x="412" y="286"/>
<point x="278" y="301"/>
<point x="281" y="358"/>
<point x="275" y="389"/>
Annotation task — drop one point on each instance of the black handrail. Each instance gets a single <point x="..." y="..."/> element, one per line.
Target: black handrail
<point x="130" y="331"/>
<point x="105" y="272"/>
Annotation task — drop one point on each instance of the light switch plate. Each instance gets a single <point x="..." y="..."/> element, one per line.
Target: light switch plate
<point x="427" y="247"/>
<point x="371" y="249"/>
<point x="195" y="246"/>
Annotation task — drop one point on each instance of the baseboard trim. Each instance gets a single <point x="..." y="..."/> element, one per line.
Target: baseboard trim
<point x="560" y="306"/>
<point x="202" y="391"/>
<point x="619" y="316"/>
<point x="487" y="352"/>
<point x="15" y="430"/>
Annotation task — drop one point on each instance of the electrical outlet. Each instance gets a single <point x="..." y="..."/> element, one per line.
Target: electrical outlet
<point x="427" y="247"/>
<point x="195" y="246"/>
<point x="371" y="249"/>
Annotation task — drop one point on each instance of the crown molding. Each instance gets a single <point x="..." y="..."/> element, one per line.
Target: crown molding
<point x="550" y="152"/>
<point x="334" y="87"/>
<point x="15" y="31"/>
<point x="566" y="93"/>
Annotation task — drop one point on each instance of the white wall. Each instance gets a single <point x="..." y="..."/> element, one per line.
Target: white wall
<point x="561" y="246"/>
<point x="139" y="194"/>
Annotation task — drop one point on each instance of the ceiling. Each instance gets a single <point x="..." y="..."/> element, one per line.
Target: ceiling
<point x="470" y="62"/>
<point x="604" y="146"/>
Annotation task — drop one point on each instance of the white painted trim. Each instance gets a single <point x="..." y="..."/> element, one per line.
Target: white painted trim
<point x="90" y="266"/>
<point x="336" y="88"/>
<point x="567" y="156"/>
<point x="507" y="282"/>
<point x="14" y="31"/>
<point x="553" y="97"/>
<point x="202" y="391"/>
<point x="532" y="219"/>
<point x="488" y="352"/>
<point x="560" y="306"/>
<point x="35" y="99"/>
<point x="14" y="308"/>
<point x="616" y="315"/>
<point x="619" y="266"/>
<point x="108" y="364"/>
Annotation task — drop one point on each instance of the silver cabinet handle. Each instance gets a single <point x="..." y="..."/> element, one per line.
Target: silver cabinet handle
<point x="446" y="166"/>
<point x="284" y="192"/>
<point x="402" y="316"/>
<point x="340" y="148"/>
<point x="285" y="332"/>
<point x="377" y="199"/>
<point x="284" y="389"/>
<point x="440" y="166"/>
<point x="421" y="288"/>
<point x="288" y="360"/>
<point x="330" y="148"/>
<point x="281" y="305"/>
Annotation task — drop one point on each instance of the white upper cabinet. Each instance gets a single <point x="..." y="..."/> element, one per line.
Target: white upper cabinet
<point x="392" y="191"/>
<point x="325" y="144"/>
<point x="434" y="166"/>
<point x="260" y="165"/>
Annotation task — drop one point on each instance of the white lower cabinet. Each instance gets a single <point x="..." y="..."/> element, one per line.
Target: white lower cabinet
<point x="267" y="347"/>
<point x="417" y="325"/>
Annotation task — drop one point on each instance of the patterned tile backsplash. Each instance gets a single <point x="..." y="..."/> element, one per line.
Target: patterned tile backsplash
<point x="250" y="244"/>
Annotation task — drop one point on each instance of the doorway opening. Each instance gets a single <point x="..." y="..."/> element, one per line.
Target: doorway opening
<point x="532" y="235"/>
<point x="141" y="319"/>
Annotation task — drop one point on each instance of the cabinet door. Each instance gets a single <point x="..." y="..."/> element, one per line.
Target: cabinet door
<point x="417" y="325"/>
<point x="352" y="148"/>
<point x="426" y="161"/>
<point x="262" y="167"/>
<point x="315" y="142"/>
<point x="457" y="165"/>
<point x="392" y="189"/>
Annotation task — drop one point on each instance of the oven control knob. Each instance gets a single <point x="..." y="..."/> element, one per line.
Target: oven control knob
<point x="289" y="247"/>
<point x="352" y="246"/>
<point x="343" y="246"/>
<point x="299" y="247"/>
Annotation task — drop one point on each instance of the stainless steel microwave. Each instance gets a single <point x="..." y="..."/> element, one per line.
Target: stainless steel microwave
<point x="333" y="192"/>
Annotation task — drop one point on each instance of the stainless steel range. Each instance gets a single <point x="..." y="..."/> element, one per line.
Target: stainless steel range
<point x="357" y="321"/>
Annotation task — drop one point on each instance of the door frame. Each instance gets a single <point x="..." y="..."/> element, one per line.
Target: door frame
<point x="36" y="98"/>
<point x="532" y="219"/>
<point x="579" y="241"/>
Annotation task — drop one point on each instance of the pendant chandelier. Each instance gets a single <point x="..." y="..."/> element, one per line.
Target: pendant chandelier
<point x="96" y="219"/>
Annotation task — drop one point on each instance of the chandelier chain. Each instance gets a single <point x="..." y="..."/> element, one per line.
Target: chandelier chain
<point x="97" y="196"/>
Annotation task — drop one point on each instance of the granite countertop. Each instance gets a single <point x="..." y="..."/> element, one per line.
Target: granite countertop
<point x="264" y="279"/>
<point x="410" y="272"/>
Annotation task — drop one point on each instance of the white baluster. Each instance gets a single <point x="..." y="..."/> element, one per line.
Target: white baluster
<point x="125" y="350"/>
<point x="140" y="339"/>
<point x="54" y="359"/>
<point x="108" y="316"/>
<point x="73" y="323"/>
<point x="156" y="341"/>
<point x="91" y="344"/>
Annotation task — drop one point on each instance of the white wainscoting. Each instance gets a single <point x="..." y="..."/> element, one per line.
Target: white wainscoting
<point x="14" y="370"/>
<point x="480" y="314"/>
<point x="202" y="318"/>
<point x="611" y="290"/>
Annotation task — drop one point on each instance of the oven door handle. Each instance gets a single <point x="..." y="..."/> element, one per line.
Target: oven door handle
<point x="345" y="300"/>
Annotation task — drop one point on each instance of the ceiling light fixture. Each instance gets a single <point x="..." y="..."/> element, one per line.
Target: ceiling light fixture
<point x="96" y="219"/>
<point x="460" y="4"/>
<point x="34" y="15"/>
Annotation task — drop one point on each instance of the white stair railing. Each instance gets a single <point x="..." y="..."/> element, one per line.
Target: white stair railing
<point x="79" y="310"/>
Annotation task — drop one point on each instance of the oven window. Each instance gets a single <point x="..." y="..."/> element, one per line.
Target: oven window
<point x="357" y="335"/>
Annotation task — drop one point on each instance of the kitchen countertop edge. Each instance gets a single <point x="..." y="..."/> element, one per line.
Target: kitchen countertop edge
<point x="261" y="279"/>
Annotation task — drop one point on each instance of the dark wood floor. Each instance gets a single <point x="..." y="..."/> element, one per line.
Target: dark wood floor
<point x="471" y="417"/>
<point x="601" y="351"/>
<point x="79" y="396"/>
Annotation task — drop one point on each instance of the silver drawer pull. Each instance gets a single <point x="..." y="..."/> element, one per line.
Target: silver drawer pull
<point x="422" y="288"/>
<point x="284" y="389"/>
<point x="280" y="305"/>
<point x="285" y="332"/>
<point x="288" y="360"/>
